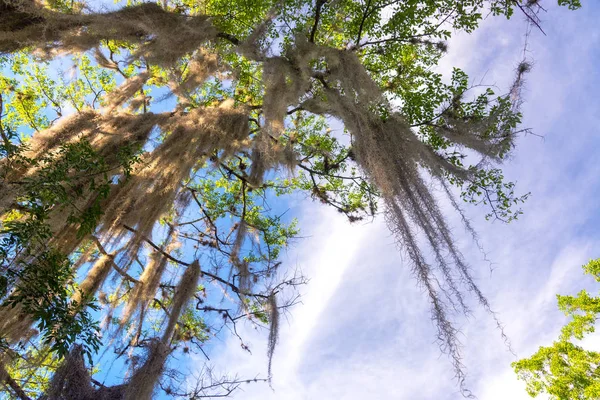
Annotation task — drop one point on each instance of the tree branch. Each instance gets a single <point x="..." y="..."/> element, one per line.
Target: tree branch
<point x="186" y="264"/>
<point x="6" y="378"/>
<point x="4" y="137"/>
<point x="112" y="260"/>
<point x="229" y="38"/>
<point x="313" y="31"/>
<point x="362" y="22"/>
<point x="530" y="17"/>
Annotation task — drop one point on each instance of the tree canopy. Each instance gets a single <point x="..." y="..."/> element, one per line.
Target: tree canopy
<point x="145" y="148"/>
<point x="566" y="370"/>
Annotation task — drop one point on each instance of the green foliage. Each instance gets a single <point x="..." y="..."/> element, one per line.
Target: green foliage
<point x="489" y="188"/>
<point x="128" y="156"/>
<point x="572" y="4"/>
<point x="191" y="328"/>
<point x="35" y="275"/>
<point x="226" y="196"/>
<point x="33" y="369"/>
<point x="565" y="370"/>
<point x="44" y="290"/>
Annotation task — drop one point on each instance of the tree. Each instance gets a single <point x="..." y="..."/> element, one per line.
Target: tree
<point x="154" y="163"/>
<point x="566" y="370"/>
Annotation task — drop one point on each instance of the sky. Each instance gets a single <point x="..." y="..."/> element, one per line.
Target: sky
<point x="363" y="330"/>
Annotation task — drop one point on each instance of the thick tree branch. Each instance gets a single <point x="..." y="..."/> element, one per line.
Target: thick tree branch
<point x="229" y="38"/>
<point x="10" y="382"/>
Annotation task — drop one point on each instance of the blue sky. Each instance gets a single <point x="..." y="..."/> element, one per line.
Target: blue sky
<point x="364" y="331"/>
